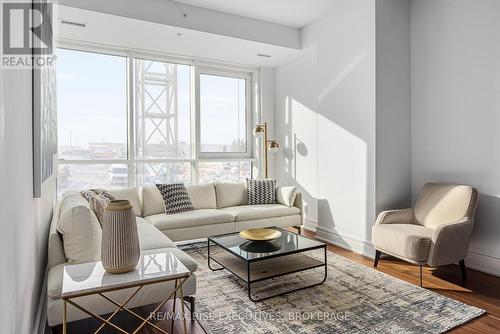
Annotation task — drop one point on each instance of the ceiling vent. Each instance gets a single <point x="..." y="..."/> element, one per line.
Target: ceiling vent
<point x="263" y="55"/>
<point x="73" y="23"/>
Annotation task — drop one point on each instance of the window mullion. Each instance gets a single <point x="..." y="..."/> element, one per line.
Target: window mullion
<point x="131" y="154"/>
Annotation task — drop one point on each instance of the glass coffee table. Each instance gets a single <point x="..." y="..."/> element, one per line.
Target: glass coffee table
<point x="256" y="261"/>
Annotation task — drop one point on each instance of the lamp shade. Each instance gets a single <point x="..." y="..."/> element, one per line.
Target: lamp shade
<point x="273" y="146"/>
<point x="259" y="131"/>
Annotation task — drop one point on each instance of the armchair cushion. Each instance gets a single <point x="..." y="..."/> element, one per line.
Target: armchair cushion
<point x="439" y="204"/>
<point x="407" y="241"/>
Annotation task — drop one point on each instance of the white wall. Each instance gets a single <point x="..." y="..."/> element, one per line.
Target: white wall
<point x="345" y="95"/>
<point x="393" y="180"/>
<point x="329" y="97"/>
<point x="296" y="128"/>
<point x="24" y="221"/>
<point x="345" y="42"/>
<point x="455" y="97"/>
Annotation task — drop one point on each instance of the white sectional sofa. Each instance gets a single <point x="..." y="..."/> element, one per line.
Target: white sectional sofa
<point x="219" y="208"/>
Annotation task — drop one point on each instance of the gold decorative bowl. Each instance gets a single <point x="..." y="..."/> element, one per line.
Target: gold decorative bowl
<point x="260" y="234"/>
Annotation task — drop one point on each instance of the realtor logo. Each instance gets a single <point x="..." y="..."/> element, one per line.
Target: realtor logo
<point x="27" y="38"/>
<point x="27" y="28"/>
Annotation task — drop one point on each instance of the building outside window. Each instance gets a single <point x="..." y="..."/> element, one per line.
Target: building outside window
<point x="126" y="121"/>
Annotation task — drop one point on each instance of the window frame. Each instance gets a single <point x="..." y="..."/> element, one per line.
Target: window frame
<point x="252" y="111"/>
<point x="203" y="70"/>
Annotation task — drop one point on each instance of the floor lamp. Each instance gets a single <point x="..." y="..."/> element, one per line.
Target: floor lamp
<point x="269" y="145"/>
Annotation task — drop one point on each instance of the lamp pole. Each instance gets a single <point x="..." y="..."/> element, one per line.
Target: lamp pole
<point x="265" y="151"/>
<point x="268" y="145"/>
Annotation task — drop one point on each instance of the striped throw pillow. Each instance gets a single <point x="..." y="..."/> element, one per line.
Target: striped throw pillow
<point x="175" y="197"/>
<point x="261" y="191"/>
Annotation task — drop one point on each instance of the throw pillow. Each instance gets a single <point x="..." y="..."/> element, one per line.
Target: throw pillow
<point x="98" y="200"/>
<point x="130" y="194"/>
<point x="175" y="197"/>
<point x="80" y="229"/>
<point x="261" y="191"/>
<point x="286" y="195"/>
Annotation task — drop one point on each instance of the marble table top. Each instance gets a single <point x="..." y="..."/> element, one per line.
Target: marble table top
<point x="153" y="267"/>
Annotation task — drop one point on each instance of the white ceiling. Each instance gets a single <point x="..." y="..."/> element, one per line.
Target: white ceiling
<point x="142" y="36"/>
<point x="293" y="13"/>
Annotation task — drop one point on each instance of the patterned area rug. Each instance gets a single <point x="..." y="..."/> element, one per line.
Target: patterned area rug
<point x="354" y="299"/>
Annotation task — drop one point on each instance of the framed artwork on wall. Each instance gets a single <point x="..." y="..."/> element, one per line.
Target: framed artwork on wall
<point x="44" y="101"/>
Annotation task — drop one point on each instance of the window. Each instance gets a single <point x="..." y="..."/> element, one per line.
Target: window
<point x="228" y="171"/>
<point x="162" y="109"/>
<point x="92" y="105"/>
<point x="129" y="121"/>
<point x="223" y="114"/>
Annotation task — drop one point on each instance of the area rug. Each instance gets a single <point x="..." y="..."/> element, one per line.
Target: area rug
<point x="353" y="299"/>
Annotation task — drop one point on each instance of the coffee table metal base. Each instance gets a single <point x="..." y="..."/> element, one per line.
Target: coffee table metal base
<point x="243" y="270"/>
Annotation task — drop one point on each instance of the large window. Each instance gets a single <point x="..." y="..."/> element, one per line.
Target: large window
<point x="92" y="104"/>
<point x="223" y="116"/>
<point x="129" y="121"/>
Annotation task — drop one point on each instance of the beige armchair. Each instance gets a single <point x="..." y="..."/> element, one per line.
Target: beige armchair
<point x="436" y="232"/>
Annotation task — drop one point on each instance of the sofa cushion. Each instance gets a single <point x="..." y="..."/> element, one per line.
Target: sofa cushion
<point x="404" y="240"/>
<point x="230" y="194"/>
<point x="54" y="281"/>
<point x="202" y="196"/>
<point x="250" y="212"/>
<point x="150" y="237"/>
<point x="130" y="194"/>
<point x="190" y="219"/>
<point x="80" y="229"/>
<point x="152" y="202"/>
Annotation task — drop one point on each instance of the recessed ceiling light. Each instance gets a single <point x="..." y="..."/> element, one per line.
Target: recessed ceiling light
<point x="263" y="55"/>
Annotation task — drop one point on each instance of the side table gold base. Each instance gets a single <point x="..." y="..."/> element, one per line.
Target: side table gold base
<point x="121" y="306"/>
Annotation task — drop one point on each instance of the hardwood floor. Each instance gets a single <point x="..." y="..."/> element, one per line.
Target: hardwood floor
<point x="481" y="290"/>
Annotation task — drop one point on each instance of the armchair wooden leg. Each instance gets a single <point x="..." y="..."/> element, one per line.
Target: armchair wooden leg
<point x="299" y="230"/>
<point x="462" y="269"/>
<point x="377" y="257"/>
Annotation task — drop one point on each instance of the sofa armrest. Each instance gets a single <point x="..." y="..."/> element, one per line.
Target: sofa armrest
<point x="450" y="242"/>
<point x="401" y="216"/>
<point x="300" y="205"/>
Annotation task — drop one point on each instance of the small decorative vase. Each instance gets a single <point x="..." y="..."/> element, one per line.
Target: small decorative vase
<point x="120" y="242"/>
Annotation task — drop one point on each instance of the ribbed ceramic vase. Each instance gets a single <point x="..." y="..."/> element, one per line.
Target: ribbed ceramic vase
<point x="120" y="243"/>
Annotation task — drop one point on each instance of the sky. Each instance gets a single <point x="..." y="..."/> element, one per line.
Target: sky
<point x="92" y="101"/>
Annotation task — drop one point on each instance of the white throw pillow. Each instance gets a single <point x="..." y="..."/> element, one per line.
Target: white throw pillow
<point x="152" y="202"/>
<point x="286" y="195"/>
<point x="130" y="194"/>
<point x="202" y="196"/>
<point x="80" y="229"/>
<point x="231" y="194"/>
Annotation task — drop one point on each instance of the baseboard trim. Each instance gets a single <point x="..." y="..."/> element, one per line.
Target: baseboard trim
<point x="345" y="241"/>
<point x="484" y="263"/>
<point x="310" y="225"/>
